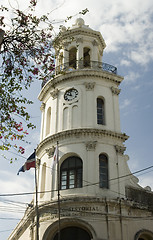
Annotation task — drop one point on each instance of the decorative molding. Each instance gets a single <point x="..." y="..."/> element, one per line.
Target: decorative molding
<point x="94" y="43"/>
<point x="38" y="162"/>
<point x="65" y="44"/>
<point x="80" y="133"/>
<point x="79" y="74"/>
<point x="42" y="107"/>
<point x="91" y="146"/>
<point x="89" y="85"/>
<point x="120" y="149"/>
<point x="50" y="151"/>
<point x="115" y="90"/>
<point x="79" y="40"/>
<point x="70" y="103"/>
<point x="101" y="53"/>
<point x="85" y="32"/>
<point x="54" y="93"/>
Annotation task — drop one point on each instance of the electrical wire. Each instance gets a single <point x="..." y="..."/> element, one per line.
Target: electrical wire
<point x="6" y="230"/>
<point x="91" y="184"/>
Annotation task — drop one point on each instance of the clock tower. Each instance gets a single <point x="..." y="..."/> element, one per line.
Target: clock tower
<point x="80" y="110"/>
<point x="88" y="194"/>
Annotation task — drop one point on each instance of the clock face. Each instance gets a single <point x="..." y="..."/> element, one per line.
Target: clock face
<point x="71" y="94"/>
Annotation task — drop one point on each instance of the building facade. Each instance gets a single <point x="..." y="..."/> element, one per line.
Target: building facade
<point x="90" y="193"/>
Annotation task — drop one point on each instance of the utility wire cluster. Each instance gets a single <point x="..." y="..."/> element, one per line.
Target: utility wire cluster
<point x="9" y="206"/>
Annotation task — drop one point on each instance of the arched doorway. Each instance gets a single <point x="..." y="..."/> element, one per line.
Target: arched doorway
<point x="74" y="233"/>
<point x="144" y="235"/>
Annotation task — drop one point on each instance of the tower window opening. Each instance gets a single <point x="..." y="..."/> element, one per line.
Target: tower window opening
<point x="72" y="57"/>
<point x="86" y="57"/>
<point x="71" y="173"/>
<point x="103" y="171"/>
<point x="100" y="111"/>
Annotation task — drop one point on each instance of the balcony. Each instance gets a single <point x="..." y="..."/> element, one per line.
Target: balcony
<point x="140" y="196"/>
<point x="82" y="65"/>
<point x="75" y="65"/>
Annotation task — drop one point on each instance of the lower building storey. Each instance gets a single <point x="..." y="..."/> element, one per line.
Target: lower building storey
<point x="87" y="219"/>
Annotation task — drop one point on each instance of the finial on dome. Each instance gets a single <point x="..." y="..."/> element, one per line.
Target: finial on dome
<point x="63" y="28"/>
<point x="79" y="22"/>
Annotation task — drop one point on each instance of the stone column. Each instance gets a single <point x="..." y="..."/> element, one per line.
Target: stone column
<point x="115" y="93"/>
<point x="79" y="41"/>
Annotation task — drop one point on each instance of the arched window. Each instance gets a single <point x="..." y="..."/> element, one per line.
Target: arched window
<point x="74" y="116"/>
<point x="86" y="57"/>
<point x="100" y="111"/>
<point x="144" y="235"/>
<point x="103" y="171"/>
<point x="48" y="122"/>
<point x="43" y="180"/>
<point x="71" y="173"/>
<point x="72" y="57"/>
<point x="65" y="118"/>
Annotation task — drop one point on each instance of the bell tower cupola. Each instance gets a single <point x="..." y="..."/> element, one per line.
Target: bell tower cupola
<point x="81" y="47"/>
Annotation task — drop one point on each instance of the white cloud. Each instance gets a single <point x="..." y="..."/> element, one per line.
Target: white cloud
<point x="131" y="77"/>
<point x="120" y="22"/>
<point x="125" y="103"/>
<point x="146" y="180"/>
<point x="11" y="183"/>
<point x="125" y="62"/>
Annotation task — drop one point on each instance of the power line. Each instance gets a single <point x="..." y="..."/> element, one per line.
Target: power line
<point x="3" y="218"/>
<point x="6" y="230"/>
<point x="91" y="184"/>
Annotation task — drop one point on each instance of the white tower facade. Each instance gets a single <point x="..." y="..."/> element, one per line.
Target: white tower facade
<point x="80" y="112"/>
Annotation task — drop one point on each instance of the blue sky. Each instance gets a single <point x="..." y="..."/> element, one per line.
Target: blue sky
<point x="127" y="28"/>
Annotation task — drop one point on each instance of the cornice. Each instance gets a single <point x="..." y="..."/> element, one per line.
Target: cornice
<point x="79" y="74"/>
<point x="70" y="203"/>
<point x="84" y="31"/>
<point x="80" y="133"/>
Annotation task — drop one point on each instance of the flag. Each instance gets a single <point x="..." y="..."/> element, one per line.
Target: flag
<point x="55" y="158"/>
<point x="30" y="163"/>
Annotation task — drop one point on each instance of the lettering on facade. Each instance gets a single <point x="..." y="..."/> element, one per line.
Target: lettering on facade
<point x="84" y="208"/>
<point x="73" y="211"/>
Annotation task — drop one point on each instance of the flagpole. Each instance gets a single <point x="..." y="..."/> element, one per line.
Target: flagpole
<point x="58" y="183"/>
<point x="37" y="213"/>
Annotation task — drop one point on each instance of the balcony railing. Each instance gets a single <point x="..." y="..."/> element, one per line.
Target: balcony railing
<point x="76" y="65"/>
